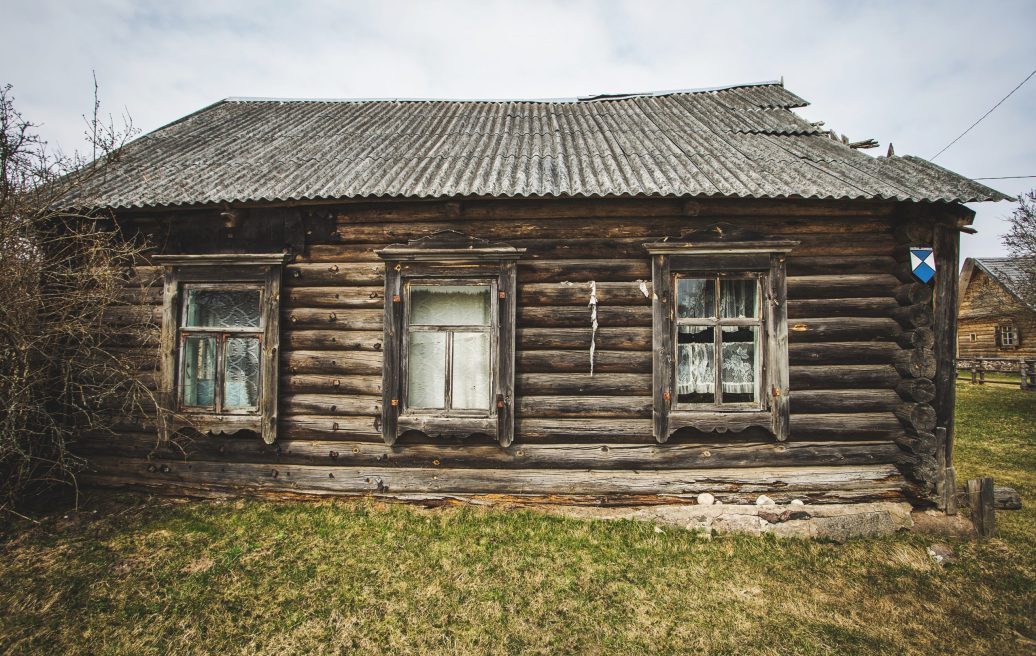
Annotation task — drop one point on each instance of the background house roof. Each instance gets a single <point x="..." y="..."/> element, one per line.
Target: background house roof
<point x="740" y="141"/>
<point x="1006" y="271"/>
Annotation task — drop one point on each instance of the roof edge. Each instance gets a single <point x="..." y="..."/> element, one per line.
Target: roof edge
<point x="588" y="98"/>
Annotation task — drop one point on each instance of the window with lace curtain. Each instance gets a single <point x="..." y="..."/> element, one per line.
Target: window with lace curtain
<point x="720" y="333"/>
<point x="718" y="341"/>
<point x="219" y="343"/>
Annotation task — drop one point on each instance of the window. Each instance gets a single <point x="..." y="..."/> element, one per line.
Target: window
<point x="718" y="321"/>
<point x="219" y="342"/>
<point x="449" y="347"/>
<point x="720" y="333"/>
<point x="1007" y="336"/>
<point x="973" y="337"/>
<point x="449" y="338"/>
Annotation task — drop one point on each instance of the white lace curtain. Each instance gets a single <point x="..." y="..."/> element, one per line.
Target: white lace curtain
<point x="695" y="372"/>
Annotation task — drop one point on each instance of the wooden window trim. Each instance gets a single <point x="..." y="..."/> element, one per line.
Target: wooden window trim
<point x="716" y="256"/>
<point x="445" y="257"/>
<point x="1001" y="329"/>
<point x="262" y="272"/>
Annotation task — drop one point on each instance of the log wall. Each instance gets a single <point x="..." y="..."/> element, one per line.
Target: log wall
<point x="861" y="363"/>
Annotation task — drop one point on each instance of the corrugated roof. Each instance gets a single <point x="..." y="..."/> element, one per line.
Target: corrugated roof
<point x="741" y="141"/>
<point x="1008" y="271"/>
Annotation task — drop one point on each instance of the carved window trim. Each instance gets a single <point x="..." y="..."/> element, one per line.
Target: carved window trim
<point x="261" y="272"/>
<point x="717" y="251"/>
<point x="446" y="257"/>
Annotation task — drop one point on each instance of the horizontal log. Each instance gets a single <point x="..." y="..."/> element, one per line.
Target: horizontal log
<point x="332" y="297"/>
<point x="331" y="384"/>
<point x="567" y="293"/>
<point x="631" y="362"/>
<point x="576" y="271"/>
<point x="915" y="363"/>
<point x="579" y="317"/>
<point x="841" y="286"/>
<point x="842" y="400"/>
<point x="710" y="455"/>
<point x="913" y="316"/>
<point x="848" y="264"/>
<point x="337" y="274"/>
<point x="556" y="248"/>
<point x="615" y="339"/>
<point x="921" y="390"/>
<point x="629" y="407"/>
<point x="871" y="425"/>
<point x="838" y="214"/>
<point x="357" y="428"/>
<point x="330" y="404"/>
<point x="583" y="383"/>
<point x="331" y="362"/>
<point x="857" y="329"/>
<point x="633" y="227"/>
<point x="843" y="353"/>
<point x="841" y="307"/>
<point x="918" y="416"/>
<point x="843" y="376"/>
<point x="822" y="483"/>
<point x="329" y="318"/>
<point x="316" y="340"/>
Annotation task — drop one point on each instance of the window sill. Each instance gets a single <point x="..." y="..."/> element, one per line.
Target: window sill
<point x="447" y="426"/>
<point x="721" y="422"/>
<point x="215" y="424"/>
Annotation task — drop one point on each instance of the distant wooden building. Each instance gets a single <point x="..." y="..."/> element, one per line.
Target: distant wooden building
<point x="621" y="299"/>
<point x="994" y="320"/>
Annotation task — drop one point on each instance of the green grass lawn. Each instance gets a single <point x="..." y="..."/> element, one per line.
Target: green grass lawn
<point x="157" y="576"/>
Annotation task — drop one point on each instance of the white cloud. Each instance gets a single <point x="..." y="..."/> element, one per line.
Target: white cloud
<point x="915" y="73"/>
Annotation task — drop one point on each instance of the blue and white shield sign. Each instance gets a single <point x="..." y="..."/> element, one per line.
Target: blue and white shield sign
<point x="922" y="263"/>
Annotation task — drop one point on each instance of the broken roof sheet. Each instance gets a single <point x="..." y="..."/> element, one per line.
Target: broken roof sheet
<point x="740" y="142"/>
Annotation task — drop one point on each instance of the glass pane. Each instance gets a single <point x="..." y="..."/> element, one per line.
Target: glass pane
<point x="241" y="384"/>
<point x="199" y="372"/>
<point x="222" y="309"/>
<point x="740" y="371"/>
<point x="450" y="305"/>
<point x="695" y="298"/>
<point x="738" y="299"/>
<point x="426" y="370"/>
<point x="695" y="369"/>
<point x="471" y="371"/>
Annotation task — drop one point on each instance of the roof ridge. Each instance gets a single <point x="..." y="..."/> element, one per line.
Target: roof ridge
<point x="577" y="99"/>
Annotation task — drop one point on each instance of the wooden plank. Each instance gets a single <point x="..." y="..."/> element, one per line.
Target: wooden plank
<point x="332" y="384"/>
<point x="331" y="404"/>
<point x="845" y="400"/>
<point x="827" y="483"/>
<point x="613" y="339"/>
<point x="842" y="307"/>
<point x="332" y="340"/>
<point x="330" y="318"/>
<point x="333" y="297"/>
<point x="630" y="362"/>
<point x="629" y="407"/>
<point x="842" y="286"/>
<point x="332" y="362"/>
<point x="983" y="511"/>
<point x="335" y="274"/>
<point x="708" y="455"/>
<point x="583" y="383"/>
<point x="579" y="316"/>
<point x="947" y="260"/>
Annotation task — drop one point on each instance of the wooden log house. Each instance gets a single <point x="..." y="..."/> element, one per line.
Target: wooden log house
<point x="614" y="299"/>
<point x="995" y="320"/>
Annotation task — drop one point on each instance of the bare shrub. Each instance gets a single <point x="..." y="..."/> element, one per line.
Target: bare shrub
<point x="67" y="365"/>
<point x="1020" y="241"/>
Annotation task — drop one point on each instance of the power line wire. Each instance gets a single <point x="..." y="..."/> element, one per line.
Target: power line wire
<point x="983" y="116"/>
<point x="1004" y="177"/>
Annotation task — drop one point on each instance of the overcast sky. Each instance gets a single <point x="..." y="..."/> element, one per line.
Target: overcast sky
<point x="913" y="73"/>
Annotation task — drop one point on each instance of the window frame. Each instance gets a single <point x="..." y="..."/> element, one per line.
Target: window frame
<point x="443" y="257"/>
<point x="1005" y="329"/>
<point x="222" y="334"/>
<point x="230" y="272"/>
<point x="717" y="323"/>
<point x="719" y="251"/>
<point x="492" y="329"/>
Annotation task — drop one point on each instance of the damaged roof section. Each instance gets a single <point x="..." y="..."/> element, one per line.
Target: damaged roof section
<point x="738" y="142"/>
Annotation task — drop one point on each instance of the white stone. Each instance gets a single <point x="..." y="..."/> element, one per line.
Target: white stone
<point x="796" y="502"/>
<point x="658" y="529"/>
<point x="706" y="499"/>
<point x="718" y="502"/>
<point x="764" y="500"/>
